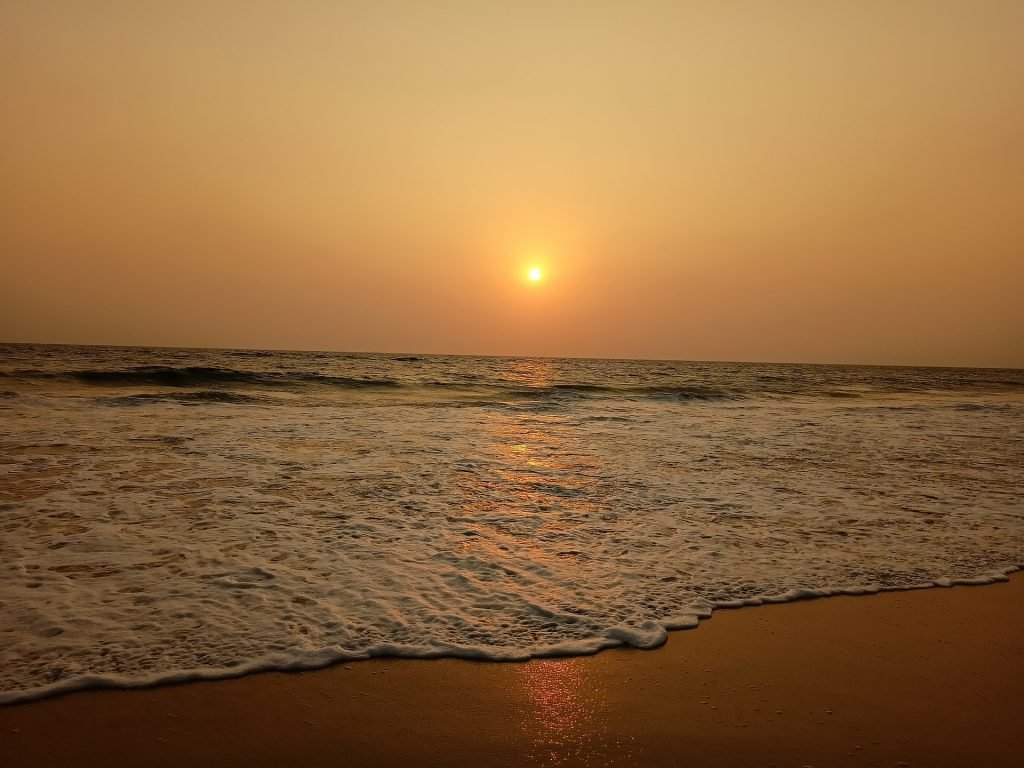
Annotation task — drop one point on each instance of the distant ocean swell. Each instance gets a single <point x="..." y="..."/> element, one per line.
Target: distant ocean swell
<point x="598" y="503"/>
<point x="199" y="377"/>
<point x="206" y="377"/>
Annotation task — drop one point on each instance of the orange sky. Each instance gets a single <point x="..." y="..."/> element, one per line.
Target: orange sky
<point x="789" y="181"/>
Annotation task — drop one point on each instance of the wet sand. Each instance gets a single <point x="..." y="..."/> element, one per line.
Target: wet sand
<point x="924" y="678"/>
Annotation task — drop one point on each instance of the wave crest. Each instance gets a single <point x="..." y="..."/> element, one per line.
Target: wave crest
<point x="204" y="376"/>
<point x="199" y="397"/>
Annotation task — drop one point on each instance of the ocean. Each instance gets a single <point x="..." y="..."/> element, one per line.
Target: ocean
<point x="176" y="514"/>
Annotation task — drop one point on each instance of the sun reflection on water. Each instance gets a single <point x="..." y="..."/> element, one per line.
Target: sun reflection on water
<point x="525" y="507"/>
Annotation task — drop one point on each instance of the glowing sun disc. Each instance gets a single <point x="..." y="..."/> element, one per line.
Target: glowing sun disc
<point x="535" y="274"/>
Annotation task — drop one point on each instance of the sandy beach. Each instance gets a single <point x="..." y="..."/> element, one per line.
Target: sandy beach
<point x="921" y="678"/>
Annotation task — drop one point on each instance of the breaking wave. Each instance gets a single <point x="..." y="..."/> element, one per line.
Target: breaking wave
<point x="212" y="383"/>
<point x="202" y="376"/>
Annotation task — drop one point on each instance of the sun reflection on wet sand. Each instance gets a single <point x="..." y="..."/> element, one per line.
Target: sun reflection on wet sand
<point x="565" y="715"/>
<point x="562" y="712"/>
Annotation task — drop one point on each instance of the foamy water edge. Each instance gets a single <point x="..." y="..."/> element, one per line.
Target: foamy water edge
<point x="649" y="636"/>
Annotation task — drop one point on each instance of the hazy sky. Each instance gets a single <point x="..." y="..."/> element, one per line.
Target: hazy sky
<point x="789" y="181"/>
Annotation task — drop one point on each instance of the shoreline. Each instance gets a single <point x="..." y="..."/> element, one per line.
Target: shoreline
<point x="583" y="649"/>
<point x="920" y="676"/>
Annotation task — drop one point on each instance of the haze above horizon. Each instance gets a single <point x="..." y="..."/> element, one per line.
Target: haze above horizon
<point x="695" y="181"/>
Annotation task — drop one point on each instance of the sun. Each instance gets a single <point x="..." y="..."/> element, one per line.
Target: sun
<point x="535" y="274"/>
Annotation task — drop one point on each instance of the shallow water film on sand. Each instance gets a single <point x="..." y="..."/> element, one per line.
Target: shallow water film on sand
<point x="176" y="514"/>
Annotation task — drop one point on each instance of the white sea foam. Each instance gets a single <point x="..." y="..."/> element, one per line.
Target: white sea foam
<point x="165" y="541"/>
